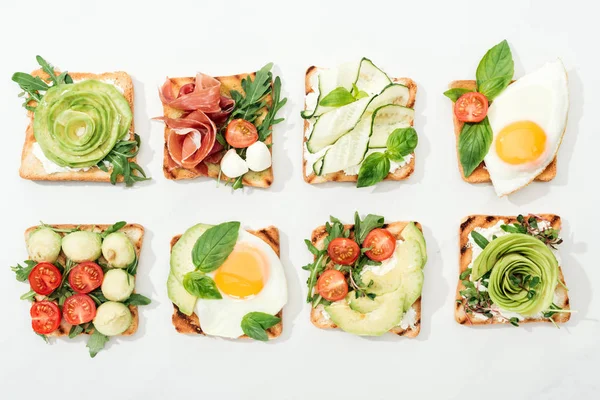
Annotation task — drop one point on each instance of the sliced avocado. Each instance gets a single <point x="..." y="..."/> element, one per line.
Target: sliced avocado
<point x="179" y="296"/>
<point x="364" y="304"/>
<point x="411" y="232"/>
<point x="181" y="254"/>
<point x="411" y="285"/>
<point x="374" y="323"/>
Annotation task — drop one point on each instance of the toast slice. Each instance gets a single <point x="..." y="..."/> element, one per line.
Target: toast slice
<point x="171" y="170"/>
<point x="190" y="324"/>
<point x="481" y="174"/>
<point x="32" y="168"/>
<point x="321" y="321"/>
<point x="400" y="174"/>
<point x="135" y="233"/>
<point x="465" y="257"/>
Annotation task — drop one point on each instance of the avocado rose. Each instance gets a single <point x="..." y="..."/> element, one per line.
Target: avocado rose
<point x="77" y="125"/>
<point x="511" y="259"/>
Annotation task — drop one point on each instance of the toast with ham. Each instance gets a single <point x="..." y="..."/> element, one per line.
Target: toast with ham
<point x="33" y="169"/>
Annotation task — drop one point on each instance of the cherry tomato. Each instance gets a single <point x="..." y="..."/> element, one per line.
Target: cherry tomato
<point x="79" y="309"/>
<point x="241" y="133"/>
<point x="471" y="107"/>
<point x="86" y="277"/>
<point x="44" y="278"/>
<point x="343" y="251"/>
<point x="45" y="317"/>
<point x="382" y="244"/>
<point x="186" y="89"/>
<point x="332" y="285"/>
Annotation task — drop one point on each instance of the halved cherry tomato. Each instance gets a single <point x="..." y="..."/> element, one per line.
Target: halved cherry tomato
<point x="471" y="107"/>
<point x="332" y="285"/>
<point x="79" y="309"/>
<point x="186" y="89"/>
<point x="343" y="251"/>
<point x="241" y="133"/>
<point x="86" y="277"/>
<point x="45" y="317"/>
<point x="44" y="278"/>
<point x="382" y="244"/>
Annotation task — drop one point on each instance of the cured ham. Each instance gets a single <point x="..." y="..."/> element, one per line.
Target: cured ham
<point x="205" y="96"/>
<point x="190" y="139"/>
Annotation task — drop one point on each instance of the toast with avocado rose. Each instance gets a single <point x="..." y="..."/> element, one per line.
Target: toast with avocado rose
<point x="509" y="271"/>
<point x="82" y="280"/>
<point x="367" y="278"/>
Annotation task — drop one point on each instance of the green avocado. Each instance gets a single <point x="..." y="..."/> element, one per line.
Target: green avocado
<point x="78" y="124"/>
<point x="179" y="296"/>
<point x="364" y="304"/>
<point x="411" y="232"/>
<point x="411" y="284"/>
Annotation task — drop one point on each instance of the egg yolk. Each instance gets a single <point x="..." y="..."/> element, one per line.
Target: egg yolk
<point x="520" y="142"/>
<point x="243" y="274"/>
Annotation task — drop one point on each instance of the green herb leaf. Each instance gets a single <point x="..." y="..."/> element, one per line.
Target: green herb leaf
<point x="44" y="337"/>
<point x="365" y="226"/>
<point x="338" y="97"/>
<point x="514" y="321"/>
<point x="47" y="68"/>
<point x="358" y="94"/>
<point x="137" y="299"/>
<point x="96" y="342"/>
<point x="113" y="228"/>
<point x="28" y="296"/>
<point x="30" y="83"/>
<point x="249" y="106"/>
<point x="311" y="247"/>
<point x="454" y="94"/>
<point x="132" y="268"/>
<point x="255" y="324"/>
<point x="119" y="157"/>
<point x="374" y="169"/>
<point x="495" y="70"/>
<point x="201" y="286"/>
<point x="98" y="297"/>
<point x="493" y="87"/>
<point x="22" y="273"/>
<point x="238" y="183"/>
<point x="266" y="126"/>
<point x="214" y="246"/>
<point x="481" y="241"/>
<point x="401" y="143"/>
<point x="76" y="330"/>
<point x="473" y="144"/>
<point x="465" y="273"/>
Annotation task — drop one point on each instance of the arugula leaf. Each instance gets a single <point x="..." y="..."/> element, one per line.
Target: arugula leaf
<point x="113" y="228"/>
<point x="137" y="299"/>
<point x="255" y="324"/>
<point x="374" y="169"/>
<point x="32" y="86"/>
<point x="401" y="143"/>
<point x="76" y="330"/>
<point x="132" y="268"/>
<point x="98" y="297"/>
<point x="249" y="106"/>
<point x="44" y="337"/>
<point x="22" y="273"/>
<point x="365" y="226"/>
<point x="495" y="70"/>
<point x="48" y="69"/>
<point x="119" y="158"/>
<point x="214" y="246"/>
<point x="28" y="296"/>
<point x="338" y="97"/>
<point x="266" y="126"/>
<point x="479" y="239"/>
<point x="473" y="144"/>
<point x="515" y="228"/>
<point x="454" y="94"/>
<point x="96" y="342"/>
<point x="201" y="286"/>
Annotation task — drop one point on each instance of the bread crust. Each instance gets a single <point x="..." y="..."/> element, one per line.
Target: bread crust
<point x="190" y="324"/>
<point x="262" y="179"/>
<point x="481" y="174"/>
<point x="465" y="256"/>
<point x="32" y="169"/>
<point x="401" y="173"/>
<point x="135" y="232"/>
<point x="316" y="316"/>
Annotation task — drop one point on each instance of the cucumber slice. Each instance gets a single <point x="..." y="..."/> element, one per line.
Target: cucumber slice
<point x="370" y="78"/>
<point x="331" y="126"/>
<point x="349" y="150"/>
<point x="318" y="166"/>
<point x="392" y="94"/>
<point x="181" y="254"/>
<point x="385" y="120"/>
<point x="179" y="296"/>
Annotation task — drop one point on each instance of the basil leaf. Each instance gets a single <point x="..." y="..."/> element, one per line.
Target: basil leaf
<point x="337" y="97"/>
<point x="473" y="144"/>
<point x="373" y="169"/>
<point x="454" y="94"/>
<point x="113" y="229"/>
<point x="493" y="87"/>
<point x="96" y="342"/>
<point x="137" y="299"/>
<point x="370" y="222"/>
<point x="479" y="239"/>
<point x="201" y="286"/>
<point x="255" y="324"/>
<point x="497" y="65"/>
<point x="401" y="143"/>
<point x="214" y="246"/>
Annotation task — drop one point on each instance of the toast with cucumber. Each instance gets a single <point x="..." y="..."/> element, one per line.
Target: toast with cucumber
<point x="358" y="125"/>
<point x="82" y="280"/>
<point x="367" y="278"/>
<point x="80" y="126"/>
<point x="510" y="271"/>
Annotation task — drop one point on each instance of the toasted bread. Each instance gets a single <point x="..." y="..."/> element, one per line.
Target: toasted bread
<point x="135" y="233"/>
<point x="400" y="174"/>
<point x="481" y="174"/>
<point x="190" y="324"/>
<point x="465" y="257"/>
<point x="320" y="321"/>
<point x="32" y="168"/>
<point x="172" y="171"/>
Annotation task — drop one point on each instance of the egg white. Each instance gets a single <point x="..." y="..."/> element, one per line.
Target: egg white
<point x="541" y="97"/>
<point x="224" y="317"/>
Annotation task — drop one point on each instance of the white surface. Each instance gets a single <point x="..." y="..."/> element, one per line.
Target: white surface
<point x="431" y="43"/>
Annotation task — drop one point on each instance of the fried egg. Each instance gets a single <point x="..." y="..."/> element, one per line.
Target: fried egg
<point x="251" y="279"/>
<point x="528" y="120"/>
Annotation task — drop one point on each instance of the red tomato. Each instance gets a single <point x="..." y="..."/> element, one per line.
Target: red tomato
<point x="332" y="285"/>
<point x="79" y="309"/>
<point x="86" y="277"/>
<point x="186" y="89"/>
<point x="45" y="317"/>
<point x="471" y="107"/>
<point x="382" y="244"/>
<point x="241" y="133"/>
<point x="343" y="251"/>
<point x="44" y="278"/>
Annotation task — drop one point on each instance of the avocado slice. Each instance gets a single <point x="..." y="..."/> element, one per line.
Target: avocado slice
<point x="179" y="296"/>
<point x="181" y="254"/>
<point x="411" y="232"/>
<point x="411" y="285"/>
<point x="364" y="304"/>
<point x="374" y="323"/>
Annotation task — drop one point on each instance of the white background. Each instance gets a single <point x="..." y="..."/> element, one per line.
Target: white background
<point x="433" y="43"/>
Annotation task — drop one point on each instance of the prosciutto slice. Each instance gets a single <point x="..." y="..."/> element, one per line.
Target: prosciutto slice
<point x="205" y="97"/>
<point x="226" y="104"/>
<point x="191" y="139"/>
